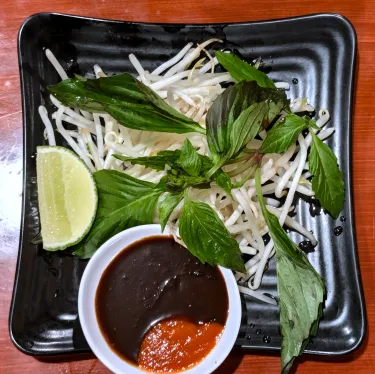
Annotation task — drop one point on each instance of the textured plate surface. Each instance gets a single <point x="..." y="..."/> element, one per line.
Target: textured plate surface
<point x="318" y="50"/>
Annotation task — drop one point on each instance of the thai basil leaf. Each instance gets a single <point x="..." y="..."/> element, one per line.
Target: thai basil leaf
<point x="327" y="181"/>
<point x="156" y="162"/>
<point x="124" y="202"/>
<point x="155" y="99"/>
<point x="237" y="115"/>
<point x="223" y="180"/>
<point x="151" y="119"/>
<point x="187" y="168"/>
<point x="95" y="94"/>
<point x="242" y="132"/>
<point x="120" y="86"/>
<point x="167" y="206"/>
<point x="207" y="238"/>
<point x="177" y="180"/>
<point x="190" y="160"/>
<point x="300" y="288"/>
<point x="76" y="92"/>
<point x="242" y="71"/>
<point x="284" y="134"/>
<point x="125" y="99"/>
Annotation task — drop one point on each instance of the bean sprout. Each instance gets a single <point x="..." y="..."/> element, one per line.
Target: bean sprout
<point x="173" y="60"/>
<point x="48" y="125"/>
<point x="95" y="137"/>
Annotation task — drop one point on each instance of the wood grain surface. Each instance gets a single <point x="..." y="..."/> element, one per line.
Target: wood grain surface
<point x="360" y="12"/>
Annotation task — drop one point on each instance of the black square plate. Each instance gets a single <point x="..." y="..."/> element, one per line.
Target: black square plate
<point x="318" y="51"/>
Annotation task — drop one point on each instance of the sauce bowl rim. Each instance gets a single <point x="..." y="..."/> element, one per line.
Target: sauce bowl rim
<point x="87" y="313"/>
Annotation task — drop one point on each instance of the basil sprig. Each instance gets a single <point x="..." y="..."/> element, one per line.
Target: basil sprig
<point x="130" y="102"/>
<point x="284" y="133"/>
<point x="236" y="117"/>
<point x="300" y="288"/>
<point x="327" y="181"/>
<point x="186" y="168"/>
<point x="242" y="71"/>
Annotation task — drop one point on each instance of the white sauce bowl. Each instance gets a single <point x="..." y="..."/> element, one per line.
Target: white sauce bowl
<point x="86" y="306"/>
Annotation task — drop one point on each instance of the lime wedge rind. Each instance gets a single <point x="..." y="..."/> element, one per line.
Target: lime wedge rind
<point x="67" y="197"/>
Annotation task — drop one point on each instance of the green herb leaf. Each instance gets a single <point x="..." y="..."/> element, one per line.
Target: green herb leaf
<point x="95" y="94"/>
<point x="246" y="127"/>
<point x="284" y="134"/>
<point x="190" y="160"/>
<point x="120" y="87"/>
<point x="327" y="182"/>
<point x="313" y="124"/>
<point x="300" y="288"/>
<point x="177" y="180"/>
<point x="237" y="115"/>
<point x="207" y="238"/>
<point x="167" y="206"/>
<point x="187" y="168"/>
<point x="242" y="71"/>
<point x="124" y="202"/>
<point x="155" y="99"/>
<point x="125" y="99"/>
<point x="156" y="162"/>
<point x="223" y="180"/>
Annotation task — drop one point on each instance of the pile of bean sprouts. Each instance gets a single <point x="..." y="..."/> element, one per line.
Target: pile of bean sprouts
<point x="190" y="87"/>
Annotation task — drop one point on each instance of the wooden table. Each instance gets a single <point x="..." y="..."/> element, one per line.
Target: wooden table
<point x="360" y="12"/>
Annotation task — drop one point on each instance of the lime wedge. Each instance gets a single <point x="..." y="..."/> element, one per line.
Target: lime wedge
<point x="67" y="197"/>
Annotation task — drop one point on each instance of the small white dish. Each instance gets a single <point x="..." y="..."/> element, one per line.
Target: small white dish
<point x="86" y="306"/>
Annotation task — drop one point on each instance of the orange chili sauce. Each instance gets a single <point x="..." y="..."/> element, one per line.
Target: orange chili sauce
<point x="177" y="344"/>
